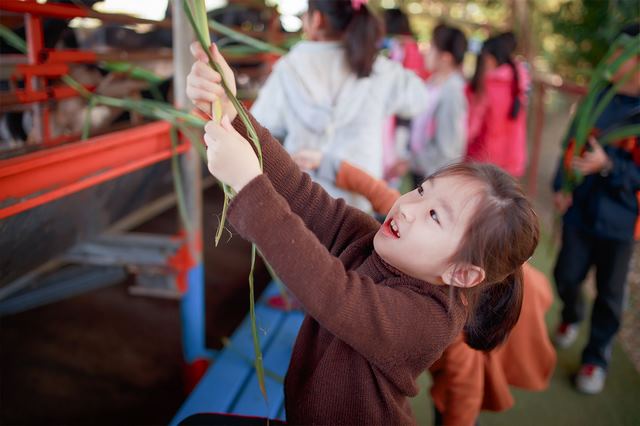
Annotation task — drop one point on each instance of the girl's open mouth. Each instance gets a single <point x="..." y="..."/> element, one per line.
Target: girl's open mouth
<point x="390" y="228"/>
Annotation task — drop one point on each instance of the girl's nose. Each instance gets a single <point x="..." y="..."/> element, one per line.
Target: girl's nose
<point x="406" y="212"/>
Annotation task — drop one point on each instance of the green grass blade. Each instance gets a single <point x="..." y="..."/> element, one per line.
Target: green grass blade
<point x="269" y="373"/>
<point x="254" y="329"/>
<point x="86" y="127"/>
<point x="13" y="39"/>
<point x="606" y="99"/>
<point x="621" y="133"/>
<point x="245" y="39"/>
<point x="223" y="216"/>
<point x="133" y="71"/>
<point x="177" y="181"/>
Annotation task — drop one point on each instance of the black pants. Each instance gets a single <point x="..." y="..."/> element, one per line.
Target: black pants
<point x="611" y="258"/>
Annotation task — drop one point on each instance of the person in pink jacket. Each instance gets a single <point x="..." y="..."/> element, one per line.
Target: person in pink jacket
<point x="497" y="96"/>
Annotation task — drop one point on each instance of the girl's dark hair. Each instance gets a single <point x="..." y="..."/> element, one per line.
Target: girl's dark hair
<point x="359" y="29"/>
<point x="451" y="40"/>
<point x="501" y="47"/>
<point x="501" y="236"/>
<point x="396" y="22"/>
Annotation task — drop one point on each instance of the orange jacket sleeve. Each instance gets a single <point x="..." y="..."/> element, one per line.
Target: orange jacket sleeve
<point x="378" y="193"/>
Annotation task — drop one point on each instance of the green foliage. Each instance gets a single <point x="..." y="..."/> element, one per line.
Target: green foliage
<point x="581" y="32"/>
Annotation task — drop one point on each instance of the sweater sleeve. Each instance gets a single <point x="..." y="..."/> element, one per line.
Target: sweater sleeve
<point x="351" y="178"/>
<point x="334" y="222"/>
<point x="378" y="321"/>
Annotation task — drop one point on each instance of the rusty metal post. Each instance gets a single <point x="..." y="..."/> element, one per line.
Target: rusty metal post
<point x="532" y="182"/>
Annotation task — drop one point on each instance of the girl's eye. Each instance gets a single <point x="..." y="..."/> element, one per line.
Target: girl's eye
<point x="434" y="216"/>
<point x="420" y="190"/>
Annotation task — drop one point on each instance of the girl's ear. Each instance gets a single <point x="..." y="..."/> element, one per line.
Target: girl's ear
<point x="316" y="24"/>
<point x="463" y="275"/>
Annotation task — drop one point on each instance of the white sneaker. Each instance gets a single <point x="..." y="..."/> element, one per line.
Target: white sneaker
<point x="590" y="379"/>
<point x="566" y="335"/>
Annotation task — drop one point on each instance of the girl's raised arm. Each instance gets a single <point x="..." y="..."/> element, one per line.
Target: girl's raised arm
<point x="333" y="222"/>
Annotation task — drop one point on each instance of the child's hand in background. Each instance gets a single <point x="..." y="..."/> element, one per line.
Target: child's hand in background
<point x="594" y="161"/>
<point x="307" y="159"/>
<point x="204" y="85"/>
<point x="230" y="157"/>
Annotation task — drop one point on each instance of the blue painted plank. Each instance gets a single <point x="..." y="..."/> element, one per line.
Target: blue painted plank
<point x="222" y="382"/>
<point x="276" y="359"/>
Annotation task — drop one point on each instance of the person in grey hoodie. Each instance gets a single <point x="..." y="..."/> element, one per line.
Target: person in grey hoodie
<point x="439" y="135"/>
<point x="332" y="92"/>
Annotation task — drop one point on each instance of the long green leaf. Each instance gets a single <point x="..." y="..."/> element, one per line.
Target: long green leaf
<point x="202" y="39"/>
<point x="86" y="127"/>
<point x="608" y="97"/>
<point x="13" y="39"/>
<point x="254" y="328"/>
<point x="177" y="181"/>
<point x="621" y="133"/>
<point x="269" y="373"/>
<point x="245" y="39"/>
<point x="133" y="71"/>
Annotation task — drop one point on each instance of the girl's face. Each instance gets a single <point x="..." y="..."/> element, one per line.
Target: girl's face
<point x="425" y="226"/>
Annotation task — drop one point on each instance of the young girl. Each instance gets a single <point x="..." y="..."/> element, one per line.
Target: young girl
<point x="333" y="92"/>
<point x="382" y="302"/>
<point x="497" y="107"/>
<point x="465" y="380"/>
<point x="438" y="136"/>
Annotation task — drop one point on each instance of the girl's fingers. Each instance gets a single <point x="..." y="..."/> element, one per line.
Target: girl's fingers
<point x="204" y="71"/>
<point x="214" y="130"/>
<point x="217" y="56"/>
<point x="203" y="84"/>
<point x="199" y="95"/>
<point x="197" y="52"/>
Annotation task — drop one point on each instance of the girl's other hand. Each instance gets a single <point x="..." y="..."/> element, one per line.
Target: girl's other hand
<point x="230" y="157"/>
<point x="307" y="159"/>
<point x="204" y="85"/>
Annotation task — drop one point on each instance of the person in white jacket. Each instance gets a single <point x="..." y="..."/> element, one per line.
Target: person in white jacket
<point x="332" y="92"/>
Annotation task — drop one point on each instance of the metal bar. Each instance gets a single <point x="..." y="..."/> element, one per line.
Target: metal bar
<point x="65" y="283"/>
<point x="136" y="250"/>
<point x="35" y="42"/>
<point x="67" y="11"/>
<point x="34" y="179"/>
<point x="29" y="278"/>
<point x="192" y="305"/>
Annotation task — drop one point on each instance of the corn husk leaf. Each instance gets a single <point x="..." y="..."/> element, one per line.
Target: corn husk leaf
<point x="201" y="31"/>
<point x="591" y="108"/>
<point x="177" y="181"/>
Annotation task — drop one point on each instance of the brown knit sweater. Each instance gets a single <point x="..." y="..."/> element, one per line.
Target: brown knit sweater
<point x="370" y="330"/>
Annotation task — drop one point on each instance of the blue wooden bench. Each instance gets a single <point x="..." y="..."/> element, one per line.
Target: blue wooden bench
<point x="230" y="385"/>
